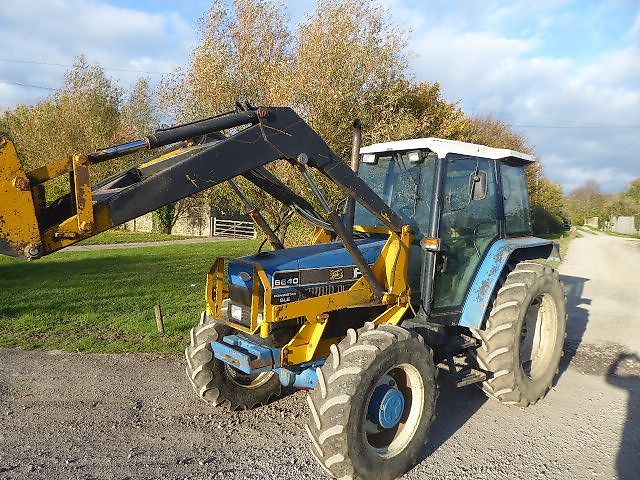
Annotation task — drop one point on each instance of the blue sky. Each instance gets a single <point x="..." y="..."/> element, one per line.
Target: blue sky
<point x="566" y="73"/>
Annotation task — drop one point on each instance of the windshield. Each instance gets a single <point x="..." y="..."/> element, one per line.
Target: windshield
<point x="405" y="186"/>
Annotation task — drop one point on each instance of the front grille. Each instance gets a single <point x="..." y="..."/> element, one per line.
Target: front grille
<point x="325" y="289"/>
<point x="240" y="298"/>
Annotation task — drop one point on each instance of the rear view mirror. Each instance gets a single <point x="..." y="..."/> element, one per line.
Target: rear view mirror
<point x="478" y="185"/>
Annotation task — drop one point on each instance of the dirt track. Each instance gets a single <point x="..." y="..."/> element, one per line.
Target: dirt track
<point x="134" y="416"/>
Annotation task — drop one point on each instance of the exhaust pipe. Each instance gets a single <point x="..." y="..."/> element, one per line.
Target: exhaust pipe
<point x="350" y="209"/>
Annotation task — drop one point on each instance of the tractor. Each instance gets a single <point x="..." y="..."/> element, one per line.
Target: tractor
<point x="429" y="265"/>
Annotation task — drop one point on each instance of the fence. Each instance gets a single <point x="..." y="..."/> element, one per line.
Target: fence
<point x="592" y="222"/>
<point x="628" y="225"/>
<point x="232" y="228"/>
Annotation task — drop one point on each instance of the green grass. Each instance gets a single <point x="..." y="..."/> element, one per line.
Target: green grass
<point x="102" y="301"/>
<point x="123" y="236"/>
<point x="624" y="235"/>
<point x="608" y="232"/>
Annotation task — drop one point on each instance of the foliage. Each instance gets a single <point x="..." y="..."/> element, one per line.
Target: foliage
<point x="585" y="201"/>
<point x="547" y="206"/>
<point x="619" y="205"/>
<point x="633" y="191"/>
<point x="81" y="116"/>
<point x="490" y="131"/>
<point x="344" y="60"/>
<point x="164" y="219"/>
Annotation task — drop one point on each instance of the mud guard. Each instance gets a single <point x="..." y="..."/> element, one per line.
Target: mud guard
<point x="477" y="301"/>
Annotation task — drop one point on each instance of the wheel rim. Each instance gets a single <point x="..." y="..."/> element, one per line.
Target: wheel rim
<point x="245" y="380"/>
<point x="538" y="336"/>
<point x="394" y="410"/>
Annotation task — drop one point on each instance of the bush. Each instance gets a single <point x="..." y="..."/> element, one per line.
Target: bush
<point x="544" y="221"/>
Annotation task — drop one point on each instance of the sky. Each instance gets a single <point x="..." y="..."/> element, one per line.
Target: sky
<point x="565" y="73"/>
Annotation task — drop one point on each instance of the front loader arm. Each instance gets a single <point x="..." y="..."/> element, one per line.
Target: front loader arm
<point x="29" y="228"/>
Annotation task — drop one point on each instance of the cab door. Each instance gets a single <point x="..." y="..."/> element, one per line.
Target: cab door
<point x="468" y="226"/>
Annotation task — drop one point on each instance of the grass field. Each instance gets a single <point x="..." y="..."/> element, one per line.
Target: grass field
<point x="624" y="235"/>
<point x="102" y="301"/>
<point x="124" y="236"/>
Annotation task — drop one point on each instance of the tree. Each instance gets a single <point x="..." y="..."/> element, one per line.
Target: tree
<point x="242" y="54"/>
<point x="344" y="61"/>
<point x="547" y="207"/>
<point x="633" y="191"/>
<point x="620" y="205"/>
<point x="433" y="116"/>
<point x="585" y="201"/>
<point x="81" y="116"/>
<point x="350" y="62"/>
<point x="490" y="131"/>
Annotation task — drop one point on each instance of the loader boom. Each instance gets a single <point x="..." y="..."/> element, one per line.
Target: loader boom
<point x="30" y="228"/>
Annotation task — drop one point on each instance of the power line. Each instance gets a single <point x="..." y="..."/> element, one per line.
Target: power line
<point x="6" y="82"/>
<point x="576" y="126"/>
<point x="33" y="62"/>
<point x="562" y="120"/>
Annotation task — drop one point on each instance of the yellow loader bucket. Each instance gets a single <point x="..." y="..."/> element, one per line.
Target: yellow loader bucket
<point x="19" y="229"/>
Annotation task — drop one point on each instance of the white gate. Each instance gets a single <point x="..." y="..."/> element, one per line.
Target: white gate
<point x="232" y="228"/>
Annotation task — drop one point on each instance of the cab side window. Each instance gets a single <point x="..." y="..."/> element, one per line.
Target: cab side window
<point x="516" y="199"/>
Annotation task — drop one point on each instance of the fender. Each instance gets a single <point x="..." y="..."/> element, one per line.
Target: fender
<point x="479" y="296"/>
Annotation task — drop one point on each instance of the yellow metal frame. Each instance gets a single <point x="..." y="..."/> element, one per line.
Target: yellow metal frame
<point x="307" y="344"/>
<point x="320" y="235"/>
<point x="21" y="203"/>
<point x="18" y="215"/>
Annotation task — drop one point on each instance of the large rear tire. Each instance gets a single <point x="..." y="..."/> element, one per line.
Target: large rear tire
<point x="218" y="383"/>
<point x="372" y="409"/>
<point x="523" y="341"/>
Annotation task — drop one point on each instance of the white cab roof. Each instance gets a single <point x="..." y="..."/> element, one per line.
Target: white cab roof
<point x="442" y="147"/>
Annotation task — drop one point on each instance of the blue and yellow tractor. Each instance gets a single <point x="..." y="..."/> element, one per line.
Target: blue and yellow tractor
<point x="430" y="265"/>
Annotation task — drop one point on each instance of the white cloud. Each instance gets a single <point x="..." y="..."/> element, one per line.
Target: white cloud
<point x="557" y="63"/>
<point x="518" y="62"/>
<point x="57" y="31"/>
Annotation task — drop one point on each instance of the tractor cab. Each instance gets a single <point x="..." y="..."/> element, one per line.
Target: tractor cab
<point x="459" y="199"/>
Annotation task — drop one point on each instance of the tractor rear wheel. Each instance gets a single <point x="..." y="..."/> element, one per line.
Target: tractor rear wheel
<point x="372" y="409"/>
<point x="218" y="383"/>
<point x="523" y="341"/>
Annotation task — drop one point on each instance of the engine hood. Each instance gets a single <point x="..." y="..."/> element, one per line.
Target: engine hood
<point x="313" y="260"/>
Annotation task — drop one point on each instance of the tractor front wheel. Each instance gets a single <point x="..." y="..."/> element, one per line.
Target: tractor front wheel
<point x="218" y="383"/>
<point x="523" y="341"/>
<point x="372" y="409"/>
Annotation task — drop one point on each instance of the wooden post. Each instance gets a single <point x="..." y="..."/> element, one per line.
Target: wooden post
<point x="159" y="319"/>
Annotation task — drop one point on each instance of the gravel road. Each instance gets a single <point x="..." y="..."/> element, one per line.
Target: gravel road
<point x="79" y="416"/>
